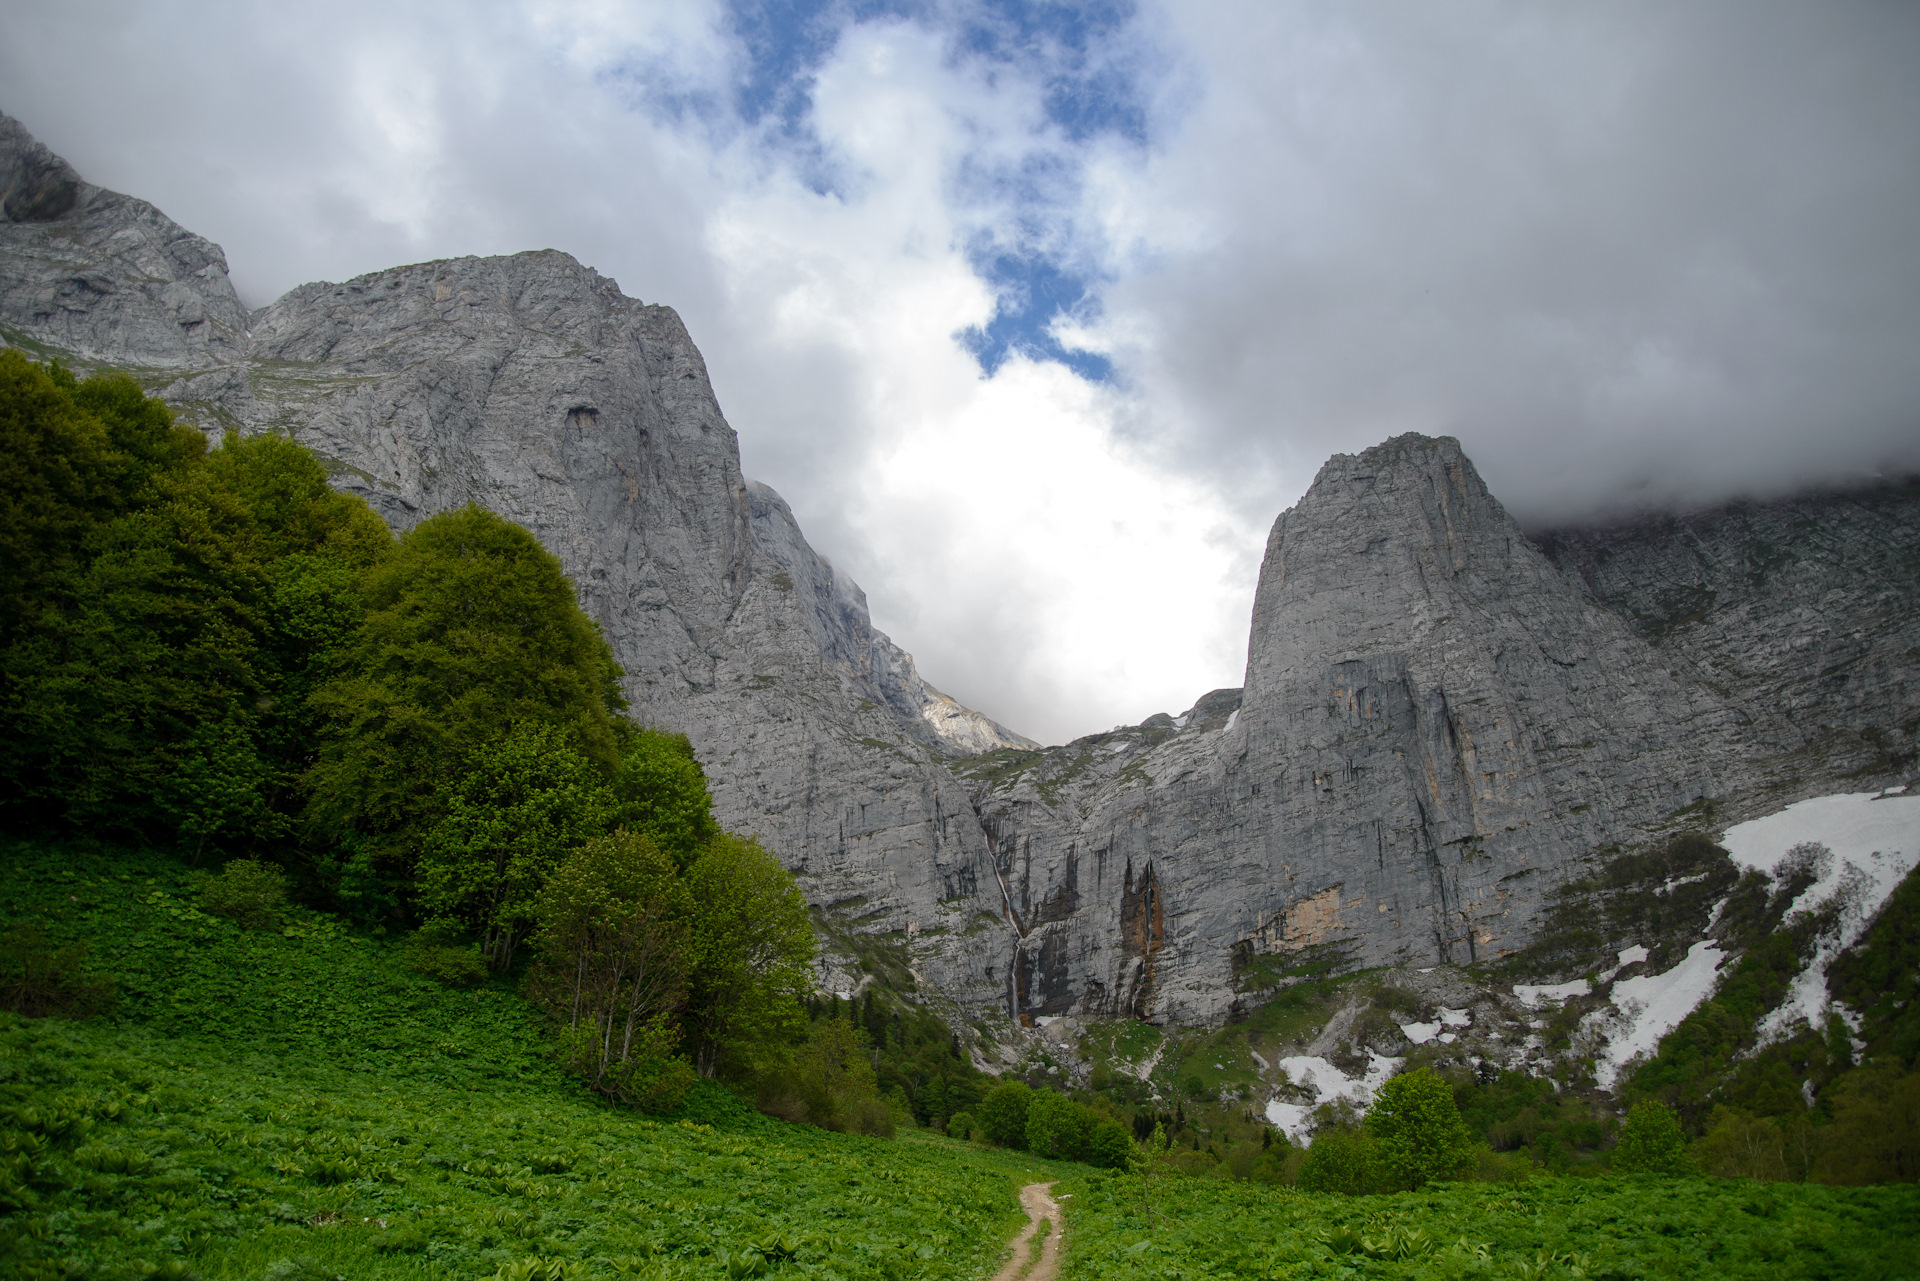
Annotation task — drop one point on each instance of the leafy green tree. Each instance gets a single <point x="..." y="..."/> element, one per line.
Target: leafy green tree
<point x="1651" y="1142"/>
<point x="1058" y="1127"/>
<point x="1417" y="1129"/>
<point x="750" y="952"/>
<point x="1003" y="1114"/>
<point x="611" y="962"/>
<point x="526" y="802"/>
<point x="660" y="789"/>
<point x="1111" y="1146"/>
<point x="72" y="456"/>
<point x="470" y="625"/>
<point x="146" y="673"/>
<point x="1342" y="1161"/>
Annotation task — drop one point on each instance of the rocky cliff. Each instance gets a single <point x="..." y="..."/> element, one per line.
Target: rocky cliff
<point x="1440" y="720"/>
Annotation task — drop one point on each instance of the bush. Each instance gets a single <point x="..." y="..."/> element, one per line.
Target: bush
<point x="1111" y="1146"/>
<point x="1651" y="1142"/>
<point x="38" y="979"/>
<point x="1003" y="1114"/>
<point x="1339" y="1161"/>
<point x="1417" y="1130"/>
<point x="251" y="893"/>
<point x="1058" y="1127"/>
<point x="439" y="950"/>
<point x="961" y="1125"/>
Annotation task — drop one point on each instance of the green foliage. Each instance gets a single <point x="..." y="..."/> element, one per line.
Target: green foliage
<point x="660" y="790"/>
<point x="166" y="617"/>
<point x="830" y="1083"/>
<point x="247" y="892"/>
<point x="526" y="801"/>
<point x="1003" y="1114"/>
<point x="470" y="627"/>
<point x="39" y="977"/>
<point x="1110" y="1146"/>
<point x="1610" y="1227"/>
<point x="297" y="1105"/>
<point x="1058" y="1127"/>
<point x="749" y="950"/>
<point x="1651" y="1141"/>
<point x="1417" y="1130"/>
<point x="612" y="967"/>
<point x="961" y="1125"/>
<point x="1879" y="977"/>
<point x="1343" y="1162"/>
<point x="441" y="950"/>
<point x="1875" y="1136"/>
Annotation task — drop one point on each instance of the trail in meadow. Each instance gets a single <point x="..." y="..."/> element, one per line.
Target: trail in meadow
<point x="1040" y="1208"/>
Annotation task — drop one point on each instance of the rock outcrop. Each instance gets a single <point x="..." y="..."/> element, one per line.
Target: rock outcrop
<point x="1803" y="612"/>
<point x="1439" y="721"/>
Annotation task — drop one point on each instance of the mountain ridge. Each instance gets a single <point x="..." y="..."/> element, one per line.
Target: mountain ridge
<point x="1442" y="718"/>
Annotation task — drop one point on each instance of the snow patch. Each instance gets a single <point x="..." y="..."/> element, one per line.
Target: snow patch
<point x="1874" y="840"/>
<point x="1420" y="1033"/>
<point x="1534" y="993"/>
<point x="1328" y="1084"/>
<point x="1632" y="955"/>
<point x="1647" y="1008"/>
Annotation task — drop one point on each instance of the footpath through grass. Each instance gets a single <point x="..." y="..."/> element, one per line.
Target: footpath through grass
<point x="295" y="1106"/>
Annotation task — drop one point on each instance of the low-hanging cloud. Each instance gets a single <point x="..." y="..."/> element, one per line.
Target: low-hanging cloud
<point x="1038" y="314"/>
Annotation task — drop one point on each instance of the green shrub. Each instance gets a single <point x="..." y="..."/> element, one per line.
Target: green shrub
<point x="1339" y="1161"/>
<point x="961" y="1125"/>
<point x="1058" y="1127"/>
<point x="251" y="893"/>
<point x="439" y="950"/>
<point x="1651" y="1142"/>
<point x="1003" y="1114"/>
<point x="1417" y="1130"/>
<point x="1111" y="1146"/>
<point x="38" y="979"/>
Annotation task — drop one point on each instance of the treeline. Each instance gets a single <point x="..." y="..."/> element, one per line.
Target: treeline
<point x="209" y="649"/>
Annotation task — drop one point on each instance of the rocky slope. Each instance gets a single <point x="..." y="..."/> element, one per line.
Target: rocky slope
<point x="1440" y="723"/>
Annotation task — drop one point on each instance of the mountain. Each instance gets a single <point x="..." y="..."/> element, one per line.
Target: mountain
<point x="1443" y="719"/>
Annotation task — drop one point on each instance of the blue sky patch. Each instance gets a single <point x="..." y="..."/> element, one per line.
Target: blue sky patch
<point x="1086" y="90"/>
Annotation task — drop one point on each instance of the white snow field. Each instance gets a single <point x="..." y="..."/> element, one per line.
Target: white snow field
<point x="1874" y="841"/>
<point x="1328" y="1083"/>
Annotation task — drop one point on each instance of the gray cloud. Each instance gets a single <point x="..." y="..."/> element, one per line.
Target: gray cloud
<point x="1630" y="254"/>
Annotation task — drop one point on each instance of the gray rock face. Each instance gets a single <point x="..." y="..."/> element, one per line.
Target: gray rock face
<point x="1804" y="613"/>
<point x="1436" y="726"/>
<point x="1439" y="722"/>
<point x="102" y="277"/>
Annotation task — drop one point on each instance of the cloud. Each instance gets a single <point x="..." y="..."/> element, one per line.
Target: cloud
<point x="1038" y="313"/>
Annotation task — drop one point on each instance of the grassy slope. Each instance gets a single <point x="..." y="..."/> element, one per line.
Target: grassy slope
<point x="1620" y="1227"/>
<point x="294" y="1104"/>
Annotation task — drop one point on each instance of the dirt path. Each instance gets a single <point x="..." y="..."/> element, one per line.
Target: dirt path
<point x="1039" y="1206"/>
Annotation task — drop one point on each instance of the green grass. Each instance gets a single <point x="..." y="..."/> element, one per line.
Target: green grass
<point x="293" y="1104"/>
<point x="1614" y="1228"/>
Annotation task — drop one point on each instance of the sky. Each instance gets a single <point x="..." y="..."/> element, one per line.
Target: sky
<point x="1039" y="313"/>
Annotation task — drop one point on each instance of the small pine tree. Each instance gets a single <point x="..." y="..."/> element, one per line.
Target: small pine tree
<point x="1651" y="1142"/>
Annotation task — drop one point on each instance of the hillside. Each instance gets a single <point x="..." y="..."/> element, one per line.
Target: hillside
<point x="296" y="1105"/>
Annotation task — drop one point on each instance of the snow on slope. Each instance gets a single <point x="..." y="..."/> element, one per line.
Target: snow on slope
<point x="1873" y="841"/>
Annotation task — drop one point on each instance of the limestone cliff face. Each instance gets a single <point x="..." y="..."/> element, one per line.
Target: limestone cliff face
<point x="100" y="276"/>
<point x="1436" y="725"/>
<point x="1803" y="612"/>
